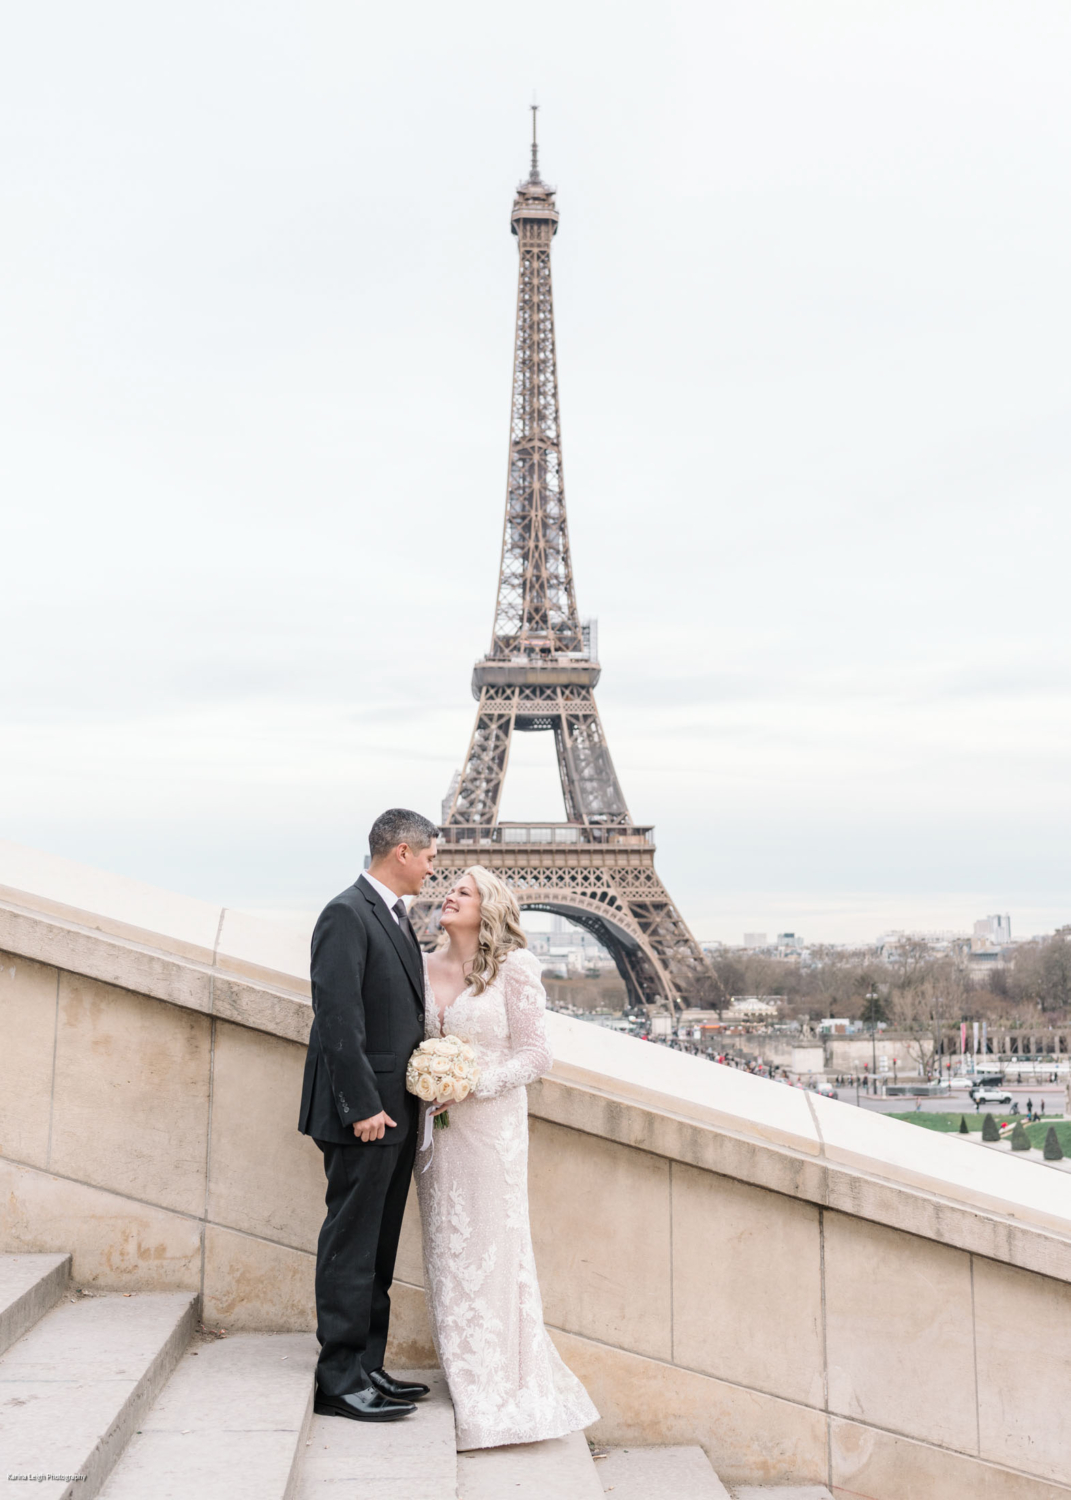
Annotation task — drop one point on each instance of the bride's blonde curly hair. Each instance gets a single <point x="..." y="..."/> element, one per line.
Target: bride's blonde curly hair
<point x="500" y="927"/>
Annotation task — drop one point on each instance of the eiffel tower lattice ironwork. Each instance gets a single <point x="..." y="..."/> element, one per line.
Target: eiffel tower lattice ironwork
<point x="597" y="867"/>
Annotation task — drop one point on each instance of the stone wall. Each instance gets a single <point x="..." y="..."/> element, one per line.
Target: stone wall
<point x="723" y="1261"/>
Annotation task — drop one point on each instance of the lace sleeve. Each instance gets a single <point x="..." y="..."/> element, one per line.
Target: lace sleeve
<point x="526" y="1005"/>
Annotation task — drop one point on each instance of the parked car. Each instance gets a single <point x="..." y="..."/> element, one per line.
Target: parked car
<point x="991" y="1096"/>
<point x="826" y="1090"/>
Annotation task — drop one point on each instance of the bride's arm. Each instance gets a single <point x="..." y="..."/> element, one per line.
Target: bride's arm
<point x="526" y="1007"/>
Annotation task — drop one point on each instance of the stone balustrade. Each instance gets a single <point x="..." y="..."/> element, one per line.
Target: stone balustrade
<point x="812" y="1292"/>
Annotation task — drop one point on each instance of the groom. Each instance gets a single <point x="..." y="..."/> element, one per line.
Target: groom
<point x="368" y="1018"/>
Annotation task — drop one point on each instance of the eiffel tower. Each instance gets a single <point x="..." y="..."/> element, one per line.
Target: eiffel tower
<point x="597" y="867"/>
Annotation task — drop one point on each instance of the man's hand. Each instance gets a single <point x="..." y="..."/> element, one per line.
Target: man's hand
<point x="372" y="1129"/>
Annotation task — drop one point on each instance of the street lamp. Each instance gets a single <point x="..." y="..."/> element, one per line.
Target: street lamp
<point x="872" y="996"/>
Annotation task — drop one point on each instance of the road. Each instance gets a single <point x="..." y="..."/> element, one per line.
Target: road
<point x="959" y="1102"/>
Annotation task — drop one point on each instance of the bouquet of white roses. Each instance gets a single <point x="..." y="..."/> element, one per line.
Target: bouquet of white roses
<point x="442" y="1069"/>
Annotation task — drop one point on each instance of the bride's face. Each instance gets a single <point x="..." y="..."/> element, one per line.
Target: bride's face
<point x="461" y="908"/>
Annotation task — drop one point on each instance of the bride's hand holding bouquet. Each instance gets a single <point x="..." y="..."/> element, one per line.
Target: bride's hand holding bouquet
<point x="442" y="1071"/>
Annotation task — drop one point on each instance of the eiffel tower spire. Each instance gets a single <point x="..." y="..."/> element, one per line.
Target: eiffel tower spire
<point x="596" y="867"/>
<point x="536" y="610"/>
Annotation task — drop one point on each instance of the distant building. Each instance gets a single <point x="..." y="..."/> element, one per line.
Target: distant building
<point x="986" y="949"/>
<point x="698" y="1025"/>
<point x="569" y="952"/>
<point x="448" y="800"/>
<point x="754" y="940"/>
<point x="894" y="946"/>
<point x="993" y="931"/>
<point x="605" y="1019"/>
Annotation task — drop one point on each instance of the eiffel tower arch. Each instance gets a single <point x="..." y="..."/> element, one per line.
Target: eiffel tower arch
<point x="597" y="867"/>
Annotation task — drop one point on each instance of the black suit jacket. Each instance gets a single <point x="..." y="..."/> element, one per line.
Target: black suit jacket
<point x="368" y="1019"/>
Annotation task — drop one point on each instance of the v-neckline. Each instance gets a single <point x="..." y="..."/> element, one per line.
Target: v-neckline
<point x="446" y="1009"/>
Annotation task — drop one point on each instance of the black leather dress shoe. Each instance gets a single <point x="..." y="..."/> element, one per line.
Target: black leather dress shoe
<point x="367" y="1405"/>
<point x="397" y="1390"/>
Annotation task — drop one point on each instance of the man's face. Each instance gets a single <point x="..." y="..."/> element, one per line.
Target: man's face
<point x="414" y="866"/>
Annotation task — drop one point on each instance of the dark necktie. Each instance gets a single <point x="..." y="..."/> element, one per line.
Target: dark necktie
<point x="404" y="923"/>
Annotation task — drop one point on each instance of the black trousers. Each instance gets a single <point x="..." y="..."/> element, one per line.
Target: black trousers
<point x="366" y="1192"/>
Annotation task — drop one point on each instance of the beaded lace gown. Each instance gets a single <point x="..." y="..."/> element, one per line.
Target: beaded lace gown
<point x="507" y="1381"/>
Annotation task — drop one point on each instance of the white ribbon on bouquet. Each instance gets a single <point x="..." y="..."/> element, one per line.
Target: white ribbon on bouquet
<point x="429" y="1137"/>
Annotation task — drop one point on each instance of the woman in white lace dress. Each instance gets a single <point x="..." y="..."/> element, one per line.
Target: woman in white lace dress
<point x="507" y="1381"/>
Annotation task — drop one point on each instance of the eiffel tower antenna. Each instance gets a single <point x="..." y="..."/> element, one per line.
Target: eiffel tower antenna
<point x="597" y="866"/>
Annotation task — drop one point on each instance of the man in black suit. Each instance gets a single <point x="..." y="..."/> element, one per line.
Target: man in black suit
<point x="368" y="1019"/>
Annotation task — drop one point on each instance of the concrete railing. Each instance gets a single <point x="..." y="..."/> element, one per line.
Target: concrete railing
<point x="813" y="1293"/>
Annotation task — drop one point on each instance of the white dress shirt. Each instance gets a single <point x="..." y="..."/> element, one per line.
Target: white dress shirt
<point x="385" y="891"/>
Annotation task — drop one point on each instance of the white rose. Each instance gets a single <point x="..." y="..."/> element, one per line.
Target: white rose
<point x="462" y="1089"/>
<point x="425" y="1088"/>
<point x="445" y="1091"/>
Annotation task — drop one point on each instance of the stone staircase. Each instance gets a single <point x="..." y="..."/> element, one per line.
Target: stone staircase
<point x="120" y="1395"/>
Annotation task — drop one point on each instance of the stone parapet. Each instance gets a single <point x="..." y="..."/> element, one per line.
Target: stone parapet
<point x="813" y="1293"/>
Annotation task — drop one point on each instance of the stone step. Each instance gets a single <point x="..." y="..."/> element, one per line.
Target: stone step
<point x="676" y="1473"/>
<point x="561" y="1468"/>
<point x="29" y="1286"/>
<point x="781" y="1492"/>
<point x="412" y="1459"/>
<point x="230" y="1423"/>
<point x="75" y="1387"/>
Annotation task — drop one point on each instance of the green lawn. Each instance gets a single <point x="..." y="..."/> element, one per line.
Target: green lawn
<point x="1040" y="1130"/>
<point x="938" y="1120"/>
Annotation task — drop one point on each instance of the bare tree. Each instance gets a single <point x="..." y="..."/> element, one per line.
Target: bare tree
<point x="923" y="1006"/>
<point x="912" y="1014"/>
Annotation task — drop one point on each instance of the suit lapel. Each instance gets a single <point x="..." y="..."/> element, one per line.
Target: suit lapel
<point x="406" y="952"/>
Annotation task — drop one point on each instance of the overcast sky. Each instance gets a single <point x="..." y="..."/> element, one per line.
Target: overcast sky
<point x="814" y="321"/>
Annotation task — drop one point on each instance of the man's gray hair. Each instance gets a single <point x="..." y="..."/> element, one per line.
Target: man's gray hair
<point x="400" y="826"/>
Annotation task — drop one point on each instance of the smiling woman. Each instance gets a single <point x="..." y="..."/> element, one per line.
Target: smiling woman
<point x="480" y="913"/>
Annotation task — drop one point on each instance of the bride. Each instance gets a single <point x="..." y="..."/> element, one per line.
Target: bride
<point x="507" y="1381"/>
